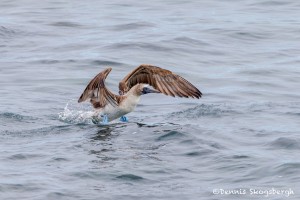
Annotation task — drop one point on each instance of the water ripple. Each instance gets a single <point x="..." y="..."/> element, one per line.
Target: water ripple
<point x="285" y="143"/>
<point x="7" y="32"/>
<point x="292" y="168"/>
<point x="66" y="24"/>
<point x="204" y="110"/>
<point x="105" y="63"/>
<point x="170" y="135"/>
<point x="130" y="177"/>
<point x="57" y="129"/>
<point x="15" y="117"/>
<point x="132" y="26"/>
<point x="139" y="46"/>
<point x="24" y="156"/>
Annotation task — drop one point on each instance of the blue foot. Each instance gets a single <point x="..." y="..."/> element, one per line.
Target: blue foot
<point x="104" y="119"/>
<point x="123" y="119"/>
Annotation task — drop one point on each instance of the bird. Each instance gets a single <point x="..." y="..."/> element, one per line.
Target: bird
<point x="144" y="79"/>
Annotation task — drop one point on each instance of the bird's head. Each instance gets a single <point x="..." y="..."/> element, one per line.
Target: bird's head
<point x="141" y="89"/>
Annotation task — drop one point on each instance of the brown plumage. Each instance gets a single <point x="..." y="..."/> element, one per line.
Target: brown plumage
<point x="160" y="79"/>
<point x="99" y="95"/>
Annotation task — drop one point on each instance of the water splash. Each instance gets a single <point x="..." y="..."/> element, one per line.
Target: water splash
<point x="75" y="113"/>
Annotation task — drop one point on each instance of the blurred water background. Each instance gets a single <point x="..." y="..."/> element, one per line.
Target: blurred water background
<point x="243" y="133"/>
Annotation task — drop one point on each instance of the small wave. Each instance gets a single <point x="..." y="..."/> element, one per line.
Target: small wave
<point x="24" y="156"/>
<point x="28" y="187"/>
<point x="199" y="153"/>
<point x="287" y="108"/>
<point x="15" y="117"/>
<point x="170" y="135"/>
<point x="240" y="157"/>
<point x="204" y="110"/>
<point x="54" y="61"/>
<point x="75" y="113"/>
<point x="37" y="131"/>
<point x="6" y="32"/>
<point x="66" y="24"/>
<point x="285" y="143"/>
<point x="187" y="41"/>
<point x="130" y="177"/>
<point x="288" y="168"/>
<point x="105" y="62"/>
<point x="132" y="26"/>
<point x="249" y="35"/>
<point x="67" y="61"/>
<point x="297" y="114"/>
<point x="59" y="159"/>
<point x="271" y="3"/>
<point x="139" y="46"/>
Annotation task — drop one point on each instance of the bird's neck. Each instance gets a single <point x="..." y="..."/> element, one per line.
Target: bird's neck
<point x="130" y="101"/>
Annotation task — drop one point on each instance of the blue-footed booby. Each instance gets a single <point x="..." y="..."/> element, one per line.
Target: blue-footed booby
<point x="111" y="106"/>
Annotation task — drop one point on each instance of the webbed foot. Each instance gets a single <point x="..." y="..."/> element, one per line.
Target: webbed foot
<point x="104" y="119"/>
<point x="123" y="119"/>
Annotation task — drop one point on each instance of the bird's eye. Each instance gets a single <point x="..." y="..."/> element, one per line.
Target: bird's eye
<point x="145" y="90"/>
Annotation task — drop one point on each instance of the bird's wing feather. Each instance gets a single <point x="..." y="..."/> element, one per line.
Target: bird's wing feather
<point x="162" y="80"/>
<point x="98" y="93"/>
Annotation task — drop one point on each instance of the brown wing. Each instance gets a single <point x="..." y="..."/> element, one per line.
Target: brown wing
<point x="98" y="94"/>
<point x="161" y="79"/>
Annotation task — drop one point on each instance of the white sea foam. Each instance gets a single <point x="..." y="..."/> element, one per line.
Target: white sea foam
<point x="77" y="113"/>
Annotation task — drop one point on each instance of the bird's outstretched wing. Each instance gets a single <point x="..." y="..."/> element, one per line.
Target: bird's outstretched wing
<point x="98" y="94"/>
<point x="162" y="80"/>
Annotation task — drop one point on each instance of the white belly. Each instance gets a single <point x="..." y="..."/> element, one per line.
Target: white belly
<point x="112" y="112"/>
<point x="124" y="108"/>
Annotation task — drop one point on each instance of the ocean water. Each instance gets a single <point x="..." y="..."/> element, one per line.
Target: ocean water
<point x="240" y="141"/>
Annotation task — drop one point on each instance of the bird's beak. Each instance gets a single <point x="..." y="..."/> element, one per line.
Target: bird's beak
<point x="154" y="91"/>
<point x="147" y="90"/>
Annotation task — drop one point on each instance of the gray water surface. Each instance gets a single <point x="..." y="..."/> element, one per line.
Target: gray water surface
<point x="243" y="134"/>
